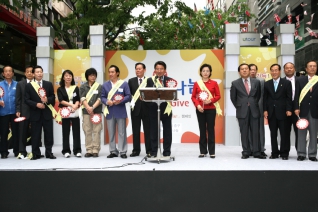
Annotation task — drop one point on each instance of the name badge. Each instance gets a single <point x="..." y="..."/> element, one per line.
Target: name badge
<point x="95" y="92"/>
<point x="74" y="94"/>
<point x="120" y="90"/>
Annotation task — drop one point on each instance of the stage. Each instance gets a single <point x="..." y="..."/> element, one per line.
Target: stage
<point x="226" y="183"/>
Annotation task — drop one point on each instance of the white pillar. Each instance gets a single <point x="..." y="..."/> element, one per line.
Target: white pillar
<point x="97" y="54"/>
<point x="232" y="53"/>
<point x="45" y="51"/>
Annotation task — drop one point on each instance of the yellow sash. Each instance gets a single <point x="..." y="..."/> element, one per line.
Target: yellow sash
<point x="307" y="87"/>
<point x="216" y="104"/>
<point x="137" y="93"/>
<point x="159" y="85"/>
<point x="71" y="91"/>
<point x="55" y="115"/>
<point x="111" y="94"/>
<point x="90" y="93"/>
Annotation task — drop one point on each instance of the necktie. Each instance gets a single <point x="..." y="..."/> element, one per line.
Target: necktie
<point x="39" y="84"/>
<point x="246" y="86"/>
<point x="140" y="81"/>
<point x="275" y="85"/>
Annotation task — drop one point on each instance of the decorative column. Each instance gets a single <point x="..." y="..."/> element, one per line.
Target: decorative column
<point x="97" y="54"/>
<point x="285" y="51"/>
<point x="232" y="53"/>
<point x="45" y="51"/>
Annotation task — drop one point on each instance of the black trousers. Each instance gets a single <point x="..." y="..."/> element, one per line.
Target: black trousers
<point x="249" y="123"/>
<point x="136" y="124"/>
<point x="292" y="122"/>
<point x="23" y="130"/>
<point x="4" y="131"/>
<point x="66" y="127"/>
<point x="167" y="130"/>
<point x="282" y="126"/>
<point x="206" y="122"/>
<point x="36" y="127"/>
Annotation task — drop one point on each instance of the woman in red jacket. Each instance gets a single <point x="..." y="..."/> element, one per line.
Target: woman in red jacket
<point x="205" y="95"/>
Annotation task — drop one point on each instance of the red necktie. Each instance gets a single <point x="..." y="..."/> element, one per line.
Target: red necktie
<point x="246" y="86"/>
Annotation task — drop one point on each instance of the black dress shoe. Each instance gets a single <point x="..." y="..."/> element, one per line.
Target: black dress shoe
<point x="3" y="156"/>
<point x="124" y="156"/>
<point x="313" y="159"/>
<point x="301" y="158"/>
<point x="112" y="155"/>
<point x="284" y="157"/>
<point x="264" y="154"/>
<point x="33" y="158"/>
<point x="95" y="155"/>
<point x="134" y="154"/>
<point x="201" y="155"/>
<point x="50" y="156"/>
<point x="212" y="156"/>
<point x="273" y="157"/>
<point x="260" y="157"/>
<point x="245" y="156"/>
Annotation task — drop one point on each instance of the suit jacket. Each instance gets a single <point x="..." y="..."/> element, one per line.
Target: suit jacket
<point x="260" y="103"/>
<point x="277" y="103"/>
<point x="163" y="105"/>
<point x="20" y="104"/>
<point x="241" y="99"/>
<point x="32" y="98"/>
<point x="310" y="101"/>
<point x="62" y="95"/>
<point x="116" y="111"/>
<point x="139" y="105"/>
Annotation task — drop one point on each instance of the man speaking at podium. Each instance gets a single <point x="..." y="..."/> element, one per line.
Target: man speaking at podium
<point x="160" y="80"/>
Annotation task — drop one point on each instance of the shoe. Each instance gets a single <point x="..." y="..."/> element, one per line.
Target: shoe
<point x="260" y="157"/>
<point x="212" y="156"/>
<point x="134" y="154"/>
<point x="79" y="155"/>
<point x="166" y="154"/>
<point x="313" y="159"/>
<point x="67" y="155"/>
<point x="285" y="158"/>
<point x="88" y="155"/>
<point x="112" y="155"/>
<point x="50" y="156"/>
<point x="301" y="158"/>
<point x="33" y="158"/>
<point x="201" y="155"/>
<point x="148" y="155"/>
<point x="3" y="156"/>
<point x="273" y="157"/>
<point x="264" y="154"/>
<point x="95" y="155"/>
<point x="245" y="156"/>
<point x="124" y="156"/>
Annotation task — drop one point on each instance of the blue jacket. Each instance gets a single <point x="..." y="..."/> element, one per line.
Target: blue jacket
<point x="8" y="98"/>
<point x="116" y="111"/>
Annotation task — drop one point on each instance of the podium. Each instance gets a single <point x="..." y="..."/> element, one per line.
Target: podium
<point x="158" y="95"/>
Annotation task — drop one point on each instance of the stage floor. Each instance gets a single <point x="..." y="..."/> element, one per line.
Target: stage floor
<point x="186" y="158"/>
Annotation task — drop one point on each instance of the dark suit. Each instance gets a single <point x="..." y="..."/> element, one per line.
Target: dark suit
<point x="138" y="113"/>
<point x="276" y="104"/>
<point x="292" y="120"/>
<point x="165" y="120"/>
<point x="68" y="122"/>
<point x="308" y="110"/>
<point x="247" y="113"/>
<point x="24" y="111"/>
<point x="40" y="117"/>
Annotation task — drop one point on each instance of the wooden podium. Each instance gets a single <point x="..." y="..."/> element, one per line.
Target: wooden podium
<point x="159" y="95"/>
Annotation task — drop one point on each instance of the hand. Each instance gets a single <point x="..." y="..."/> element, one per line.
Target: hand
<point x="44" y="99"/>
<point x="116" y="102"/>
<point x="288" y="113"/>
<point x="208" y="101"/>
<point x="297" y="112"/>
<point x="89" y="110"/>
<point x="74" y="107"/>
<point x="40" y="105"/>
<point x="110" y="103"/>
<point x="200" y="109"/>
<point x="17" y="114"/>
<point x="2" y="103"/>
<point x="265" y="114"/>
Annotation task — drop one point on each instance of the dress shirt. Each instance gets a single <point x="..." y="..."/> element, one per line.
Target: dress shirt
<point x="292" y="80"/>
